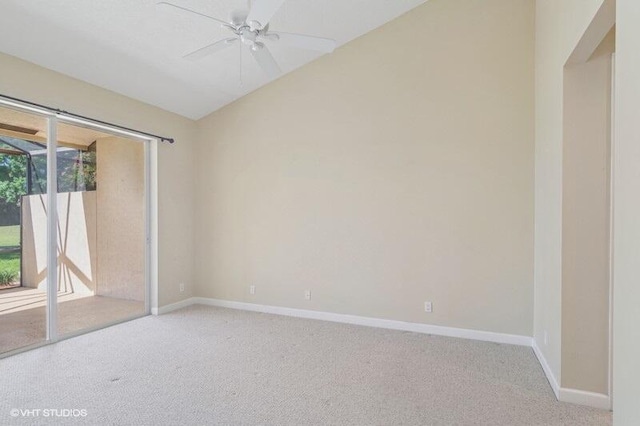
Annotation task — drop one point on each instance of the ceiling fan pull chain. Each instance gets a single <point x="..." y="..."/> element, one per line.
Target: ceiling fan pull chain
<point x="240" y="69"/>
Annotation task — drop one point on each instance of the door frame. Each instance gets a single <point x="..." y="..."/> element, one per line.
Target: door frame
<point x="150" y="216"/>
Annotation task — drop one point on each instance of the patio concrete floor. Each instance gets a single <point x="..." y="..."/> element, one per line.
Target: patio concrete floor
<point x="22" y="314"/>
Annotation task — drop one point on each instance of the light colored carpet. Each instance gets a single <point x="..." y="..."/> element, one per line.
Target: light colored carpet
<point x="203" y="365"/>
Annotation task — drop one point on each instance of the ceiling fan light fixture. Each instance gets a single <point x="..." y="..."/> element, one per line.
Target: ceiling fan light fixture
<point x="248" y="37"/>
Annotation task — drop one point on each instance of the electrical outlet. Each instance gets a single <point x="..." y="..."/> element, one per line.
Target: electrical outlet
<point x="252" y="289"/>
<point x="307" y="294"/>
<point x="181" y="287"/>
<point x="428" y="307"/>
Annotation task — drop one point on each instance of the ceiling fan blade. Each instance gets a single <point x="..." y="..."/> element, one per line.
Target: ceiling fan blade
<point x="261" y="12"/>
<point x="302" y="41"/>
<point x="211" y="49"/>
<point x="264" y="58"/>
<point x="166" y="3"/>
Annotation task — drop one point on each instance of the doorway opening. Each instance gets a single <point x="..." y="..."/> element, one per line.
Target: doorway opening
<point x="587" y="218"/>
<point x="100" y="226"/>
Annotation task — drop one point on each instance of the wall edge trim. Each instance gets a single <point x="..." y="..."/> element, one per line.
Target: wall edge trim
<point x="546" y="368"/>
<point x="590" y="399"/>
<point x="486" y="336"/>
<point x="173" y="306"/>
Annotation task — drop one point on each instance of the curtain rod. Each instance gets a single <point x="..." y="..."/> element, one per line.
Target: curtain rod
<point x="82" y="117"/>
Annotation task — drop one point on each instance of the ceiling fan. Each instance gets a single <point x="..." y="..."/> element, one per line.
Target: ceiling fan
<point x="251" y="28"/>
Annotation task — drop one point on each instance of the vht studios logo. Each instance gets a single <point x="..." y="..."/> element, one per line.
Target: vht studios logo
<point x="48" y="412"/>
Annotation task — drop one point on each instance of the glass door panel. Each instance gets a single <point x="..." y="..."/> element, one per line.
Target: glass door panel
<point x="101" y="229"/>
<point x="23" y="229"/>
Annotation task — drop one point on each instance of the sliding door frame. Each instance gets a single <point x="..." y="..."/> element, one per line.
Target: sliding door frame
<point x="52" y="230"/>
<point x="150" y="217"/>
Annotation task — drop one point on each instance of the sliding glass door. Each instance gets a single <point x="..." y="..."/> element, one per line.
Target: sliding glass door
<point x="23" y="242"/>
<point x="74" y="227"/>
<point x="101" y="229"/>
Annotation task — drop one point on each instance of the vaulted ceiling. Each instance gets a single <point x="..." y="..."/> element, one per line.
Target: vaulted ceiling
<point x="136" y="47"/>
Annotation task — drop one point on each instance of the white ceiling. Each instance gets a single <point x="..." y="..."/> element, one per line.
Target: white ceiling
<point x="135" y="47"/>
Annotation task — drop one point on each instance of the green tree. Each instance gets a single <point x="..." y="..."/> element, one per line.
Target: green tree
<point x="13" y="178"/>
<point x="77" y="172"/>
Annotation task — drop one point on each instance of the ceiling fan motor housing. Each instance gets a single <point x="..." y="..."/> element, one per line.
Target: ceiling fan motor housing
<point x="247" y="36"/>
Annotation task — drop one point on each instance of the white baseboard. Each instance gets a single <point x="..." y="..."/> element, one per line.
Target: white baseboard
<point x="574" y="396"/>
<point x="590" y="399"/>
<point x="487" y="336"/>
<point x="172" y="307"/>
<point x="546" y="368"/>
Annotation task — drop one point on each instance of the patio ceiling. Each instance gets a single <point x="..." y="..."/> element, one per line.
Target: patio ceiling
<point x="18" y="125"/>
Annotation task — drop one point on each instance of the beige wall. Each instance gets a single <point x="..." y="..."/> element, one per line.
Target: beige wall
<point x="397" y="170"/>
<point x="76" y="242"/>
<point x="559" y="27"/>
<point x="626" y="382"/>
<point x="586" y="223"/>
<point x="120" y="218"/>
<point x="175" y="162"/>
